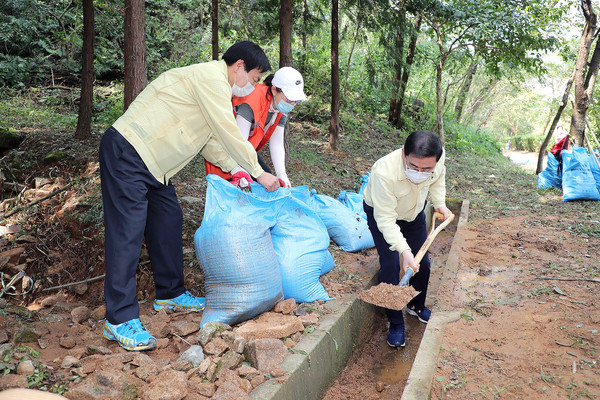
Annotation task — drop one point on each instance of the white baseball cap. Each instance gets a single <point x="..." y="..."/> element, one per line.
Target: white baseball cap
<point x="290" y="82"/>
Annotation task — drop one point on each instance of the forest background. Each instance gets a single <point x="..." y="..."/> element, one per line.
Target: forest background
<point x="461" y="68"/>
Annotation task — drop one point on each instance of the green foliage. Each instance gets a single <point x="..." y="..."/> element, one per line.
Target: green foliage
<point x="107" y="104"/>
<point x="37" y="108"/>
<point x="475" y="141"/>
<point x="528" y="143"/>
<point x="41" y="46"/>
<point x="36" y="36"/>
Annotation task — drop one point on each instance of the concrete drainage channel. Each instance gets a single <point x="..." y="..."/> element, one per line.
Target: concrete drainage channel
<point x="319" y="357"/>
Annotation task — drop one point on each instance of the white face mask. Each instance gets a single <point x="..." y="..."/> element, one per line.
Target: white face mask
<point x="416" y="176"/>
<point x="242" y="91"/>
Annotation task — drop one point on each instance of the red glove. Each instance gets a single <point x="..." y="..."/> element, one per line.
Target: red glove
<point x="282" y="183"/>
<point x="236" y="179"/>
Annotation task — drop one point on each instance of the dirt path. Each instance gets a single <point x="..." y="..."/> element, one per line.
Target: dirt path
<point x="525" y="159"/>
<point x="528" y="291"/>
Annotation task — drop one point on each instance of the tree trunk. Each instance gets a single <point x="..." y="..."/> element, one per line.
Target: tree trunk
<point x="585" y="77"/>
<point x="334" y="127"/>
<point x="84" y="120"/>
<point x="214" y="17"/>
<point x="410" y="55"/>
<point x="563" y="104"/>
<point x="398" y="52"/>
<point x="480" y="99"/>
<point x="464" y="90"/>
<point x="135" y="50"/>
<point x="439" y="122"/>
<point x="351" y="52"/>
<point x="305" y="16"/>
<point x="285" y="33"/>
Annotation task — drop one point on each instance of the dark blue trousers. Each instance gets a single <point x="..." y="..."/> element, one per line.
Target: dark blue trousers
<point x="415" y="233"/>
<point x="137" y="207"/>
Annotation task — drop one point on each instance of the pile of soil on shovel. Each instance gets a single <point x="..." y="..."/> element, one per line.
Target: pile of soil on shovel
<point x="389" y="296"/>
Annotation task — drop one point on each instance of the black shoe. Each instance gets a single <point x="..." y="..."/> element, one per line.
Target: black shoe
<point x="396" y="336"/>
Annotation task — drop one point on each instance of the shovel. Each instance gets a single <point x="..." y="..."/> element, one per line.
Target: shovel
<point x="395" y="297"/>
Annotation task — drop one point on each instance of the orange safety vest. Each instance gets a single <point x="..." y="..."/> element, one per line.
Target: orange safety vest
<point x="260" y="102"/>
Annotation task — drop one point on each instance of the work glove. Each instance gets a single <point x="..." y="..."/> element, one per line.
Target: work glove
<point x="241" y="179"/>
<point x="283" y="180"/>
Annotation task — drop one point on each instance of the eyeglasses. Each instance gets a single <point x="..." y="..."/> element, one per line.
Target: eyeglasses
<point x="410" y="165"/>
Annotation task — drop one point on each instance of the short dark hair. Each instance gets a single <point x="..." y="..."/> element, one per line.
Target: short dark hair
<point x="268" y="81"/>
<point x="251" y="53"/>
<point x="423" y="144"/>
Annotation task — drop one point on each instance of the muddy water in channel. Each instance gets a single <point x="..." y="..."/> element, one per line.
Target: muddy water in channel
<point x="395" y="365"/>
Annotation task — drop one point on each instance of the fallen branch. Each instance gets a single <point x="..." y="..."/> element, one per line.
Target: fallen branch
<point x="174" y="334"/>
<point x="84" y="281"/>
<point x="562" y="344"/>
<point x="566" y="279"/>
<point x="74" y="283"/>
<point x="21" y="208"/>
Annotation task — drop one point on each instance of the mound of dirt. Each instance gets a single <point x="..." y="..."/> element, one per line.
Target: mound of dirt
<point x="389" y="296"/>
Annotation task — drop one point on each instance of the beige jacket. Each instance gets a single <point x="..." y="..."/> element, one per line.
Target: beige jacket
<point x="394" y="197"/>
<point x="176" y="115"/>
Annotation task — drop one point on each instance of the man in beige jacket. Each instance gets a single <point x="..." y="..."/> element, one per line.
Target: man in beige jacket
<point x="394" y="201"/>
<point x="183" y="112"/>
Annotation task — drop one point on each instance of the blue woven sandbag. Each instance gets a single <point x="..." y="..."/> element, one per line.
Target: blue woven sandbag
<point x="578" y="181"/>
<point x="595" y="169"/>
<point x="305" y="195"/>
<point x="353" y="201"/>
<point x="551" y="176"/>
<point x="301" y="243"/>
<point x="347" y="228"/>
<point x="234" y="247"/>
<point x="365" y="181"/>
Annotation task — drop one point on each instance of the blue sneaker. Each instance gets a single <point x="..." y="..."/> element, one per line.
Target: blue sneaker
<point x="185" y="300"/>
<point x="423" y="315"/>
<point x="131" y="335"/>
<point x="396" y="336"/>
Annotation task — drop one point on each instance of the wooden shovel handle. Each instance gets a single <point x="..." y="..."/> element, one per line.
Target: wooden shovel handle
<point x="432" y="234"/>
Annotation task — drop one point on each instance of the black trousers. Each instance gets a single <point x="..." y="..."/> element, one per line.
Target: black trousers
<point x="415" y="233"/>
<point x="137" y="207"/>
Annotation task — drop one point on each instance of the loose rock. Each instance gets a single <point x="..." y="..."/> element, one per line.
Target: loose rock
<point x="270" y="325"/>
<point x="216" y="347"/>
<point x="168" y="385"/>
<point x="209" y="331"/>
<point x="69" y="362"/>
<point x="67" y="342"/>
<point x="26" y="368"/>
<point x="194" y="355"/>
<point x="286" y="306"/>
<point x="264" y="354"/>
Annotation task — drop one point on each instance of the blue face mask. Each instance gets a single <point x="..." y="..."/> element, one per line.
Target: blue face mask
<point x="284" y="107"/>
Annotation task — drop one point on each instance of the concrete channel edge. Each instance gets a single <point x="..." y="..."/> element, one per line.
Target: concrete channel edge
<point x="420" y="380"/>
<point x="320" y="356"/>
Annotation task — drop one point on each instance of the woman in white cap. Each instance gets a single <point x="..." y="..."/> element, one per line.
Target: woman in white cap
<point x="261" y="117"/>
